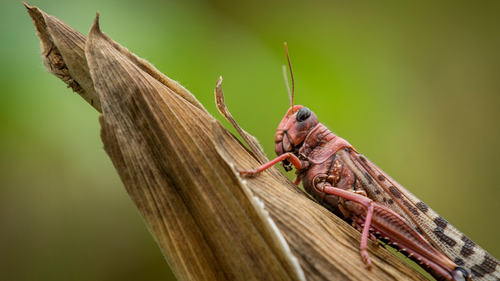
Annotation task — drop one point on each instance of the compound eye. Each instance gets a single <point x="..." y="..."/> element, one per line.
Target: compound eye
<point x="303" y="114"/>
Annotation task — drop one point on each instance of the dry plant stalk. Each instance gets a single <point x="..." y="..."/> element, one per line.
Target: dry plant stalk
<point x="176" y="163"/>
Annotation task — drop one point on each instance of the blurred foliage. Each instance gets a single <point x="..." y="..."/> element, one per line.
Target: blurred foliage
<point x="414" y="86"/>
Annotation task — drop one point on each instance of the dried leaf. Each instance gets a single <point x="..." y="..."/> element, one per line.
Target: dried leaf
<point x="175" y="160"/>
<point x="160" y="145"/>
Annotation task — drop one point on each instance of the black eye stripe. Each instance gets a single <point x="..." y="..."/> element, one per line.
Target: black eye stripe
<point x="303" y="114"/>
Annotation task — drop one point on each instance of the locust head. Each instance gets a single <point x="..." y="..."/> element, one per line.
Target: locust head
<point x="294" y="128"/>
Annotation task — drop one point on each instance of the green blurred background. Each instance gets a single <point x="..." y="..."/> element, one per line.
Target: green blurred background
<point x="413" y="86"/>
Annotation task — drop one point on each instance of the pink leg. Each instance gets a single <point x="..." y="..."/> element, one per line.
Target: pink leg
<point x="286" y="156"/>
<point x="366" y="202"/>
<point x="364" y="236"/>
<point x="356" y="225"/>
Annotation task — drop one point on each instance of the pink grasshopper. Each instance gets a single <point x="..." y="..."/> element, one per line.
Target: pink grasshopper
<point x="355" y="189"/>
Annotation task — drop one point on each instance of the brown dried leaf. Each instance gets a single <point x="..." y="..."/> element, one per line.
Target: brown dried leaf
<point x="173" y="159"/>
<point x="161" y="146"/>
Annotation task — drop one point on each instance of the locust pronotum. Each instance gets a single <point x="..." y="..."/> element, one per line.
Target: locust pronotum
<point x="354" y="188"/>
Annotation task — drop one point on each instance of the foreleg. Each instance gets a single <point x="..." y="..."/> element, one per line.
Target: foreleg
<point x="286" y="156"/>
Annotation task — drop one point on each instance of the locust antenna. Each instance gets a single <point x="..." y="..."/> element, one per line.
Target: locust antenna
<point x="287" y="86"/>
<point x="290" y="96"/>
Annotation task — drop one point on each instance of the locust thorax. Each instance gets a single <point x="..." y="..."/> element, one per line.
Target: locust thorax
<point x="293" y="129"/>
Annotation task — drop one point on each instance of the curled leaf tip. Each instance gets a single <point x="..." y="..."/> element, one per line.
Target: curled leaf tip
<point x="29" y="7"/>
<point x="95" y="26"/>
